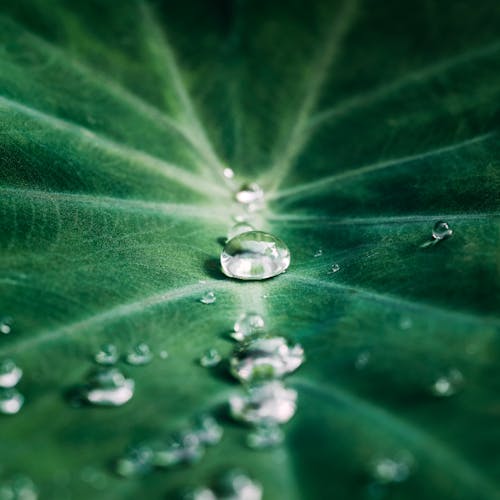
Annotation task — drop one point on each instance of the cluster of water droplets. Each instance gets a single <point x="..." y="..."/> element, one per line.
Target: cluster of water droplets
<point x="11" y="400"/>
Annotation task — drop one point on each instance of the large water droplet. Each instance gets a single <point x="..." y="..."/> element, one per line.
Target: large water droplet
<point x="239" y="228"/>
<point x="254" y="255"/>
<point x="6" y="325"/>
<point x="211" y="358"/>
<point x="137" y="461"/>
<point x="441" y="231"/>
<point x="265" y="358"/>
<point x="108" y="387"/>
<point x="448" y="384"/>
<point x="248" y="324"/>
<point x="107" y="355"/>
<point x="265" y="436"/>
<point x="10" y="373"/>
<point x="264" y="404"/>
<point x="11" y="401"/>
<point x="208" y="298"/>
<point x="251" y="195"/>
<point x="140" y="355"/>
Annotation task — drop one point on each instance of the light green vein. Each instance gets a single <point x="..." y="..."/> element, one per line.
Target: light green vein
<point x="125" y="153"/>
<point x="285" y="156"/>
<point x="324" y="183"/>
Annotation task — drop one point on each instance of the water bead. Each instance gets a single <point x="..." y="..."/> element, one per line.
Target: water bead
<point x="211" y="358"/>
<point x="11" y="401"/>
<point x="10" y="373"/>
<point x="107" y="355"/>
<point x="140" y="355"/>
<point x="248" y="324"/>
<point x="265" y="436"/>
<point x="208" y="298"/>
<point x="441" y="231"/>
<point x="250" y="194"/>
<point x="254" y="255"/>
<point x="108" y="387"/>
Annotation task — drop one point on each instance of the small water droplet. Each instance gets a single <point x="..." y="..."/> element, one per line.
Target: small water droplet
<point x="163" y="354"/>
<point x="265" y="436"/>
<point x="107" y="355"/>
<point x="392" y="469"/>
<point x="264" y="404"/>
<point x="108" y="387"/>
<point x="441" y="231"/>
<point x="140" y="355"/>
<point x="248" y="324"/>
<point x="208" y="298"/>
<point x="254" y="255"/>
<point x="210" y="358"/>
<point x="183" y="448"/>
<point x="228" y="173"/>
<point x="239" y="228"/>
<point x="335" y="268"/>
<point x="18" y="488"/>
<point x="265" y="358"/>
<point x="318" y="253"/>
<point x="201" y="493"/>
<point x="448" y="384"/>
<point x="207" y="430"/>
<point x="10" y="373"/>
<point x="251" y="196"/>
<point x="236" y="485"/>
<point x="405" y="323"/>
<point x="362" y="360"/>
<point x="11" y="401"/>
<point x="6" y="325"/>
<point x="137" y="461"/>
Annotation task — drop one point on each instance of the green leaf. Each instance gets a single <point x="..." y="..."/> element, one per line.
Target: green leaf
<point x="365" y="122"/>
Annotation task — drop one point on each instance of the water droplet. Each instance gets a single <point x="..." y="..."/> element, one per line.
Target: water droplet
<point x="140" y="355"/>
<point x="6" y="325"/>
<point x="248" y="324"/>
<point x="18" y="488"/>
<point x="335" y="268"/>
<point x="210" y="358"/>
<point x="207" y="430"/>
<point x="201" y="493"/>
<point x="183" y="448"/>
<point x="265" y="358"/>
<point x="236" y="485"/>
<point x="392" y="469"/>
<point x="239" y="228"/>
<point x="318" y="253"/>
<point x="108" y="387"/>
<point x="441" y="231"/>
<point x="254" y="256"/>
<point x="264" y="404"/>
<point x="11" y="401"/>
<point x="265" y="436"/>
<point x="10" y="373"/>
<point x="208" y="298"/>
<point x="362" y="360"/>
<point x="137" y="461"/>
<point x="405" y="323"/>
<point x="163" y="354"/>
<point x="448" y="384"/>
<point x="251" y="195"/>
<point x="107" y="355"/>
<point x="228" y="173"/>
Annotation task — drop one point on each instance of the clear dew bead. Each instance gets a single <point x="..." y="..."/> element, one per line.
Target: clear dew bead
<point x="448" y="384"/>
<point x="10" y="373"/>
<point x="208" y="298"/>
<point x="108" y="387"/>
<point x="140" y="355"/>
<point x="441" y="231"/>
<point x="254" y="255"/>
<point x="210" y="358"/>
<point x="11" y="401"/>
<point x="265" y="358"/>
<point x="6" y="325"/>
<point x="248" y="324"/>
<point x="265" y="436"/>
<point x="107" y="355"/>
<point x="264" y="404"/>
<point x="239" y="228"/>
<point x="335" y="268"/>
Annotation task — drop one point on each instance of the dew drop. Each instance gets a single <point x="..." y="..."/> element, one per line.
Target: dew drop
<point x="441" y="231"/>
<point x="183" y="448"/>
<point x="208" y="298"/>
<point x="405" y="323"/>
<point x="10" y="373"/>
<point x="236" y="485"/>
<point x="6" y="325"/>
<point x="264" y="404"/>
<point x="108" y="387"/>
<point x="335" y="268"/>
<point x="11" y="401"/>
<point x="107" y="355"/>
<point x="201" y="493"/>
<point x="248" y="324"/>
<point x="254" y="255"/>
<point x="137" y="461"/>
<point x="210" y="358"/>
<point x="392" y="469"/>
<point x="448" y="384"/>
<point x="207" y="430"/>
<point x="140" y="355"/>
<point x="362" y="360"/>
<point x="318" y="253"/>
<point x="239" y="228"/>
<point x="163" y="354"/>
<point x="228" y="173"/>
<point x="265" y="358"/>
<point x="265" y="436"/>
<point x="251" y="195"/>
